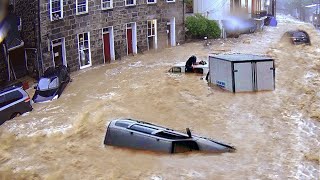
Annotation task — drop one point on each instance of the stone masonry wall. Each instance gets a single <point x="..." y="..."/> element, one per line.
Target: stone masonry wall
<point x="96" y="19"/>
<point x="27" y="10"/>
<point x="3" y="67"/>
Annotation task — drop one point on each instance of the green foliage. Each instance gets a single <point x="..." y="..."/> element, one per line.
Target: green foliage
<point x="199" y="27"/>
<point x="189" y="2"/>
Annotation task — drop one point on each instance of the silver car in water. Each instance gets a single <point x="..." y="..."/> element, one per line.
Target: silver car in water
<point x="135" y="134"/>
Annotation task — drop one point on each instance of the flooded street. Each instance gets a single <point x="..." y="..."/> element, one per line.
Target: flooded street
<point x="276" y="133"/>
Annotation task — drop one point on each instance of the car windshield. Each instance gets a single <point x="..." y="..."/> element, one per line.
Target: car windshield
<point x="48" y="83"/>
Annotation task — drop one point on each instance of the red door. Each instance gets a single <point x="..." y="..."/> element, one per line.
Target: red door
<point x="106" y="41"/>
<point x="129" y="41"/>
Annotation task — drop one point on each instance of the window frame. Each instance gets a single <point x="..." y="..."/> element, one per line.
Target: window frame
<point x="153" y="28"/>
<point x="111" y="5"/>
<point x="134" y="3"/>
<point x="170" y="1"/>
<point x="89" y="50"/>
<point x="154" y="2"/>
<point x="51" y="12"/>
<point x="84" y="12"/>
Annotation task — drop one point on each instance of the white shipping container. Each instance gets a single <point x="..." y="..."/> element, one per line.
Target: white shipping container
<point x="242" y="72"/>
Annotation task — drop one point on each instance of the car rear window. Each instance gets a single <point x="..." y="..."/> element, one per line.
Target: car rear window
<point x="48" y="83"/>
<point x="10" y="98"/>
<point x="299" y="34"/>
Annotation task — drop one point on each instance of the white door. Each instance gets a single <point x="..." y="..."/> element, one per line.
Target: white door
<point x="58" y="52"/>
<point x="243" y="77"/>
<point x="265" y="75"/>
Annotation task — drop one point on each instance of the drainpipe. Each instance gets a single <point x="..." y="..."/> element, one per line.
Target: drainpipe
<point x="183" y="11"/>
<point x="183" y="22"/>
<point x="40" y="56"/>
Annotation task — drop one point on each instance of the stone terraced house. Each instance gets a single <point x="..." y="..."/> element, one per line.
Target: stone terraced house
<point x="82" y="33"/>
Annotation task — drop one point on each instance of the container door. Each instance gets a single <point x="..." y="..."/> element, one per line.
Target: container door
<point x="106" y="43"/>
<point x="243" y="77"/>
<point x="265" y="76"/>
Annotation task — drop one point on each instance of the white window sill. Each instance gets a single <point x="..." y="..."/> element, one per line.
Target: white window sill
<point x="151" y="2"/>
<point x="81" y="13"/>
<point x="56" y="19"/>
<point x="107" y="8"/>
<point x="128" y="5"/>
<point x="85" y="66"/>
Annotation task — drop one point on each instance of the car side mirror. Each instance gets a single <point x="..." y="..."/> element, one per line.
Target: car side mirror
<point x="189" y="132"/>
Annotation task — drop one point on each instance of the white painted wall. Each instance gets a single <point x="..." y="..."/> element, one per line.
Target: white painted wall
<point x="213" y="9"/>
<point x="218" y="9"/>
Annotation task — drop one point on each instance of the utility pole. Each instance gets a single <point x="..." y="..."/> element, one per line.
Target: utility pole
<point x="273" y="10"/>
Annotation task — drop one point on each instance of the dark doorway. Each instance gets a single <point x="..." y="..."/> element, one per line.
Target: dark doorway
<point x="129" y="40"/>
<point x="57" y="55"/>
<point x="106" y="43"/>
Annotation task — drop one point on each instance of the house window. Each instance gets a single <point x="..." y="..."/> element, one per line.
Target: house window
<point x="82" y="6"/>
<point x="171" y="0"/>
<point x="130" y="2"/>
<point x="84" y="50"/>
<point x="106" y="4"/>
<point x="151" y="28"/>
<point x="151" y="1"/>
<point x="56" y="9"/>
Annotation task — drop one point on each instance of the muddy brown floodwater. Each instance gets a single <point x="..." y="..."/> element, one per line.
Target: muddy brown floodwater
<point x="276" y="132"/>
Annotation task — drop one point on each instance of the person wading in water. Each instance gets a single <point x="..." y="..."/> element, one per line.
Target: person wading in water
<point x="189" y="64"/>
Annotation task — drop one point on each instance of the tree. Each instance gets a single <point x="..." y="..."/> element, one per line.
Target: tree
<point x="199" y="26"/>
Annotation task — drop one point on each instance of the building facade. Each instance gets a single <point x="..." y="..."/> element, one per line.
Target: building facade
<point x="82" y="33"/>
<point x="220" y="9"/>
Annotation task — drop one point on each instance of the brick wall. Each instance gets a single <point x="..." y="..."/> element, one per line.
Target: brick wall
<point x="96" y="19"/>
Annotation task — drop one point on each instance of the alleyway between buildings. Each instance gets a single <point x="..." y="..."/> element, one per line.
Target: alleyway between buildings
<point x="276" y="133"/>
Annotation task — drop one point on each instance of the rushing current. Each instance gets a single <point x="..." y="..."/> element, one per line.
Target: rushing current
<point x="276" y="133"/>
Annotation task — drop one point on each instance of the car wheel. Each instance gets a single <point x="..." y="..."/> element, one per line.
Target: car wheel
<point x="14" y="115"/>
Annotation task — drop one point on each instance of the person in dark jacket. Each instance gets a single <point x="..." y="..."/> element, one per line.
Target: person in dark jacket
<point x="189" y="64"/>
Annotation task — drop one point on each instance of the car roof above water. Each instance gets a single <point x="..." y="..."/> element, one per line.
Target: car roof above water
<point x="10" y="88"/>
<point x="148" y="128"/>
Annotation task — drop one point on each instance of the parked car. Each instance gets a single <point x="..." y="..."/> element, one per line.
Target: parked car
<point x="135" y="134"/>
<point x="298" y="37"/>
<point x="14" y="101"/>
<point x="51" y="84"/>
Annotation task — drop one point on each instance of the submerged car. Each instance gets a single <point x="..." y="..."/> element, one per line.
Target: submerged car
<point x="14" y="101"/>
<point x="52" y="84"/>
<point x="298" y="37"/>
<point x="202" y="68"/>
<point x="135" y="134"/>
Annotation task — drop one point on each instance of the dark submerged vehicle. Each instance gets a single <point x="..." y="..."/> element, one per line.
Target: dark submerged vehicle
<point x="145" y="136"/>
<point x="298" y="37"/>
<point x="51" y="84"/>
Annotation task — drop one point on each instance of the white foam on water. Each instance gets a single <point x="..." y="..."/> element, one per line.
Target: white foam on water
<point x="305" y="132"/>
<point x="52" y="130"/>
<point x="109" y="95"/>
<point x="136" y="64"/>
<point x="156" y="177"/>
<point x="309" y="75"/>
